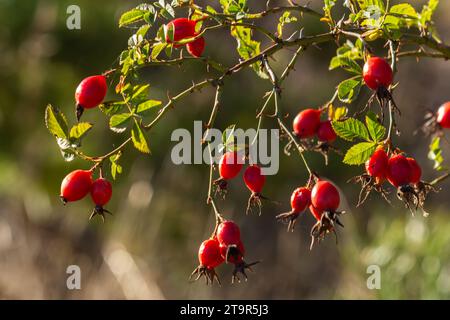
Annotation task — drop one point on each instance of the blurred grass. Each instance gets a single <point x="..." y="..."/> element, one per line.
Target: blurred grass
<point x="148" y="249"/>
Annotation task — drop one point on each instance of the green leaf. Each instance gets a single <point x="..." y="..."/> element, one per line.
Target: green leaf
<point x="376" y="130"/>
<point x="427" y="12"/>
<point x="56" y="122"/>
<point x="157" y="49"/>
<point x="435" y="154"/>
<point x="79" y="130"/>
<point x="147" y="105"/>
<point x="112" y="107"/>
<point x="346" y="63"/>
<point x="359" y="153"/>
<point x="138" y="138"/>
<point x="350" y="129"/>
<point x="131" y="17"/>
<point x="247" y="47"/>
<point x="116" y="168"/>
<point x="404" y="9"/>
<point x="337" y="113"/>
<point x="228" y="135"/>
<point x="119" y="122"/>
<point x="285" y="19"/>
<point x="348" y="90"/>
<point x="140" y="93"/>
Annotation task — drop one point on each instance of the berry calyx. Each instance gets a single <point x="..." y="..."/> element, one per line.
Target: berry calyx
<point x="253" y="179"/>
<point x="209" y="257"/>
<point x="232" y="253"/>
<point x="76" y="185"/>
<point x="90" y="93"/>
<point x="443" y="116"/>
<point x="325" y="132"/>
<point x="377" y="165"/>
<point x="325" y="196"/>
<point x="179" y="29"/>
<point x="196" y="47"/>
<point x="399" y="171"/>
<point x="306" y="123"/>
<point x="228" y="233"/>
<point x="377" y="73"/>
<point x="416" y="170"/>
<point x="101" y="192"/>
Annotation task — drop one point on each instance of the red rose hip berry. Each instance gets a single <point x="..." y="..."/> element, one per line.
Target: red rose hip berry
<point x="325" y="196"/>
<point x="209" y="257"/>
<point x="377" y="73"/>
<point x="101" y="192"/>
<point x="399" y="171"/>
<point x="377" y="165"/>
<point x="416" y="170"/>
<point x="306" y="123"/>
<point x="300" y="199"/>
<point x="325" y="132"/>
<point x="182" y="28"/>
<point x="230" y="165"/>
<point x="253" y="179"/>
<point x="90" y="93"/>
<point x="228" y="233"/>
<point x="443" y="116"/>
<point x="196" y="47"/>
<point x="76" y="185"/>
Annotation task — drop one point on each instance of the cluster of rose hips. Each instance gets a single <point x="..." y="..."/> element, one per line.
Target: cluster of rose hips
<point x="230" y="165"/>
<point x="225" y="245"/>
<point x="323" y="200"/>
<point x="77" y="184"/>
<point x="404" y="173"/>
<point x="184" y="28"/>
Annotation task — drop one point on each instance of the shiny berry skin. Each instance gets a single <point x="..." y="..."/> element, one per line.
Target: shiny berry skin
<point x="377" y="73"/>
<point x="182" y="28"/>
<point x="228" y="233"/>
<point x="300" y="199"/>
<point x="91" y="92"/>
<point x="416" y="170"/>
<point x="377" y="165"/>
<point x="315" y="212"/>
<point x="76" y="185"/>
<point x="325" y="196"/>
<point x="443" y="115"/>
<point x="230" y="165"/>
<point x="325" y="132"/>
<point x="399" y="171"/>
<point x="101" y="191"/>
<point x="306" y="123"/>
<point x="253" y="178"/>
<point x="235" y="256"/>
<point x="209" y="254"/>
<point x="196" y="47"/>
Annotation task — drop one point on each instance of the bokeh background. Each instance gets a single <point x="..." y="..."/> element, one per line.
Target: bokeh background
<point x="149" y="247"/>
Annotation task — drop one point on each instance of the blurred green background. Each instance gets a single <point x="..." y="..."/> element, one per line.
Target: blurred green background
<point x="149" y="247"/>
